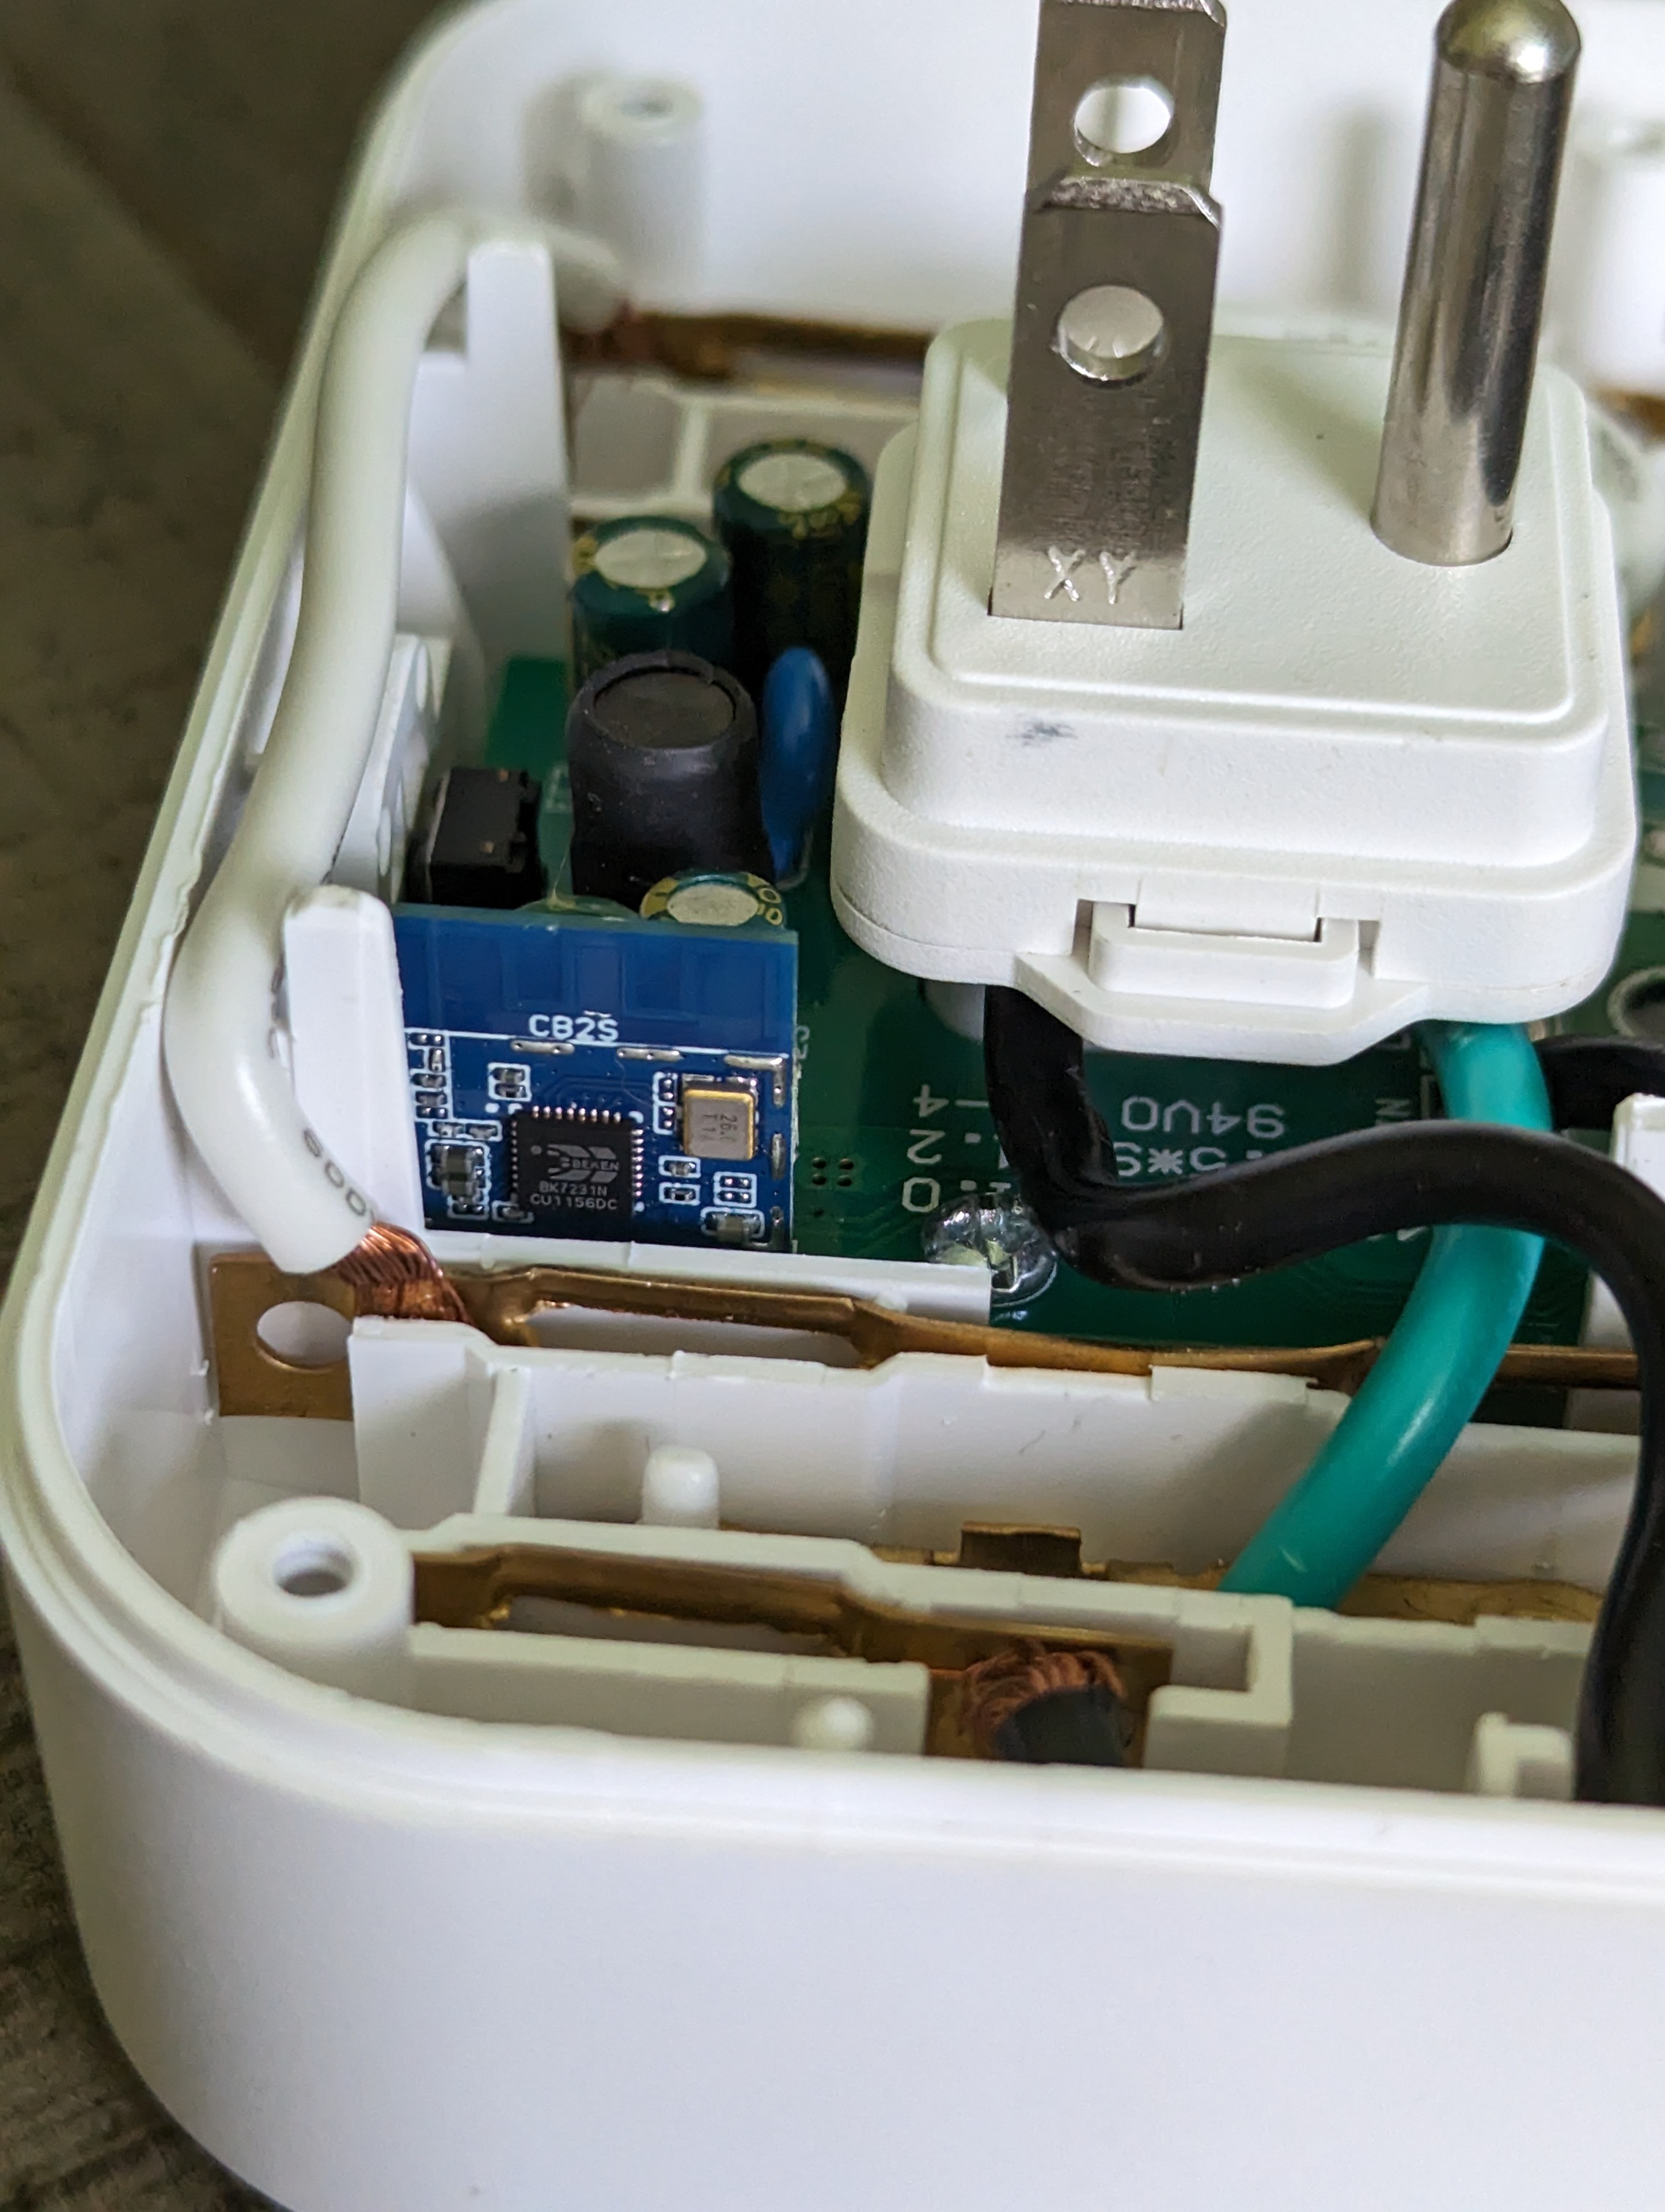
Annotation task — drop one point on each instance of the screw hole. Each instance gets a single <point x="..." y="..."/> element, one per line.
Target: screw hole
<point x="1122" y="115"/>
<point x="301" y="1332"/>
<point x="314" y="1566"/>
<point x="1636" y="1007"/>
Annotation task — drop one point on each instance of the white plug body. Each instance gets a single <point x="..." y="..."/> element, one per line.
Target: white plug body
<point x="1351" y="792"/>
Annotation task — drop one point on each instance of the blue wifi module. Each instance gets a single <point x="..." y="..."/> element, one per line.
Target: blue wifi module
<point x="594" y="1076"/>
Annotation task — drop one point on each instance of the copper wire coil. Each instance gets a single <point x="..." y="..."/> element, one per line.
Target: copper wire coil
<point x="995" y="1689"/>
<point x="392" y="1274"/>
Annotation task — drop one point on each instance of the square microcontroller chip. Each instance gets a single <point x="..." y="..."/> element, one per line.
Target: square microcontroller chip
<point x="576" y="1171"/>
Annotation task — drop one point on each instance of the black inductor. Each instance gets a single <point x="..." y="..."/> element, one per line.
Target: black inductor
<point x="662" y="750"/>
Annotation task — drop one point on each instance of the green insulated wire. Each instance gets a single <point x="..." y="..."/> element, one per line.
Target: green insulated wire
<point x="1436" y="1367"/>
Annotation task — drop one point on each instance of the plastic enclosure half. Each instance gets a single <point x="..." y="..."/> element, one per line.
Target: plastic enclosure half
<point x="1349" y="792"/>
<point x="464" y="1943"/>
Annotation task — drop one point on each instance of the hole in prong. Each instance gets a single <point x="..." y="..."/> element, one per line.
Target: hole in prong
<point x="1121" y="116"/>
<point x="1111" y="334"/>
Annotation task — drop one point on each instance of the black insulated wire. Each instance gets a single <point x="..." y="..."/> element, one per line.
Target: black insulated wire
<point x="1588" y="1076"/>
<point x="1295" y="1206"/>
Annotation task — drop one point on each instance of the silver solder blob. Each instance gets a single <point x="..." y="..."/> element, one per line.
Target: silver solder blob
<point x="1474" y="296"/>
<point x="1006" y="1239"/>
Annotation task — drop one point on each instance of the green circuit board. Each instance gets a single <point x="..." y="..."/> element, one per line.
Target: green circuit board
<point x="894" y="1124"/>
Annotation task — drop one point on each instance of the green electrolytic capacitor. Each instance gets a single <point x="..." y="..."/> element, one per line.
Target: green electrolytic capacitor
<point x="649" y="583"/>
<point x="793" y="515"/>
<point x="714" y="898"/>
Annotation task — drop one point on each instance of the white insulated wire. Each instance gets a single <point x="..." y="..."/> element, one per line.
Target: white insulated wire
<point x="222" y="1033"/>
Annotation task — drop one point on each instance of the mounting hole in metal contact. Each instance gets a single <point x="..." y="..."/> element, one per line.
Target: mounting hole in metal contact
<point x="1636" y="1007"/>
<point x="301" y="1332"/>
<point x="1122" y="115"/>
<point x="1111" y="334"/>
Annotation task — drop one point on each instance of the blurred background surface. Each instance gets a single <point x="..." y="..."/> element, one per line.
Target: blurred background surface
<point x="167" y="170"/>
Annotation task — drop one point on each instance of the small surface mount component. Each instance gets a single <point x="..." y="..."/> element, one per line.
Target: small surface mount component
<point x="458" y="1172"/>
<point x="600" y="1077"/>
<point x="480" y="848"/>
<point x="719" y="1120"/>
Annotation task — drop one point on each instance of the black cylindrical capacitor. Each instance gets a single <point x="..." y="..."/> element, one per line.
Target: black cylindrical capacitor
<point x="662" y="753"/>
<point x="649" y="583"/>
<point x="793" y="515"/>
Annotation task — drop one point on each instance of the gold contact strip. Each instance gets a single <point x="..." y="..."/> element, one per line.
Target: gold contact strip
<point x="503" y="1305"/>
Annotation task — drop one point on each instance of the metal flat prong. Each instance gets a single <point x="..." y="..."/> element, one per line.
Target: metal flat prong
<point x="1114" y="311"/>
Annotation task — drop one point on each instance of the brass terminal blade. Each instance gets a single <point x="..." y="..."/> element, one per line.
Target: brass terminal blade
<point x="243" y="1286"/>
<point x="503" y="1306"/>
<point x="475" y="1588"/>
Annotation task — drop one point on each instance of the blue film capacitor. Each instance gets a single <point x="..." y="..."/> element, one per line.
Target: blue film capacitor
<point x="649" y="583"/>
<point x="793" y="513"/>
<point x="799" y="754"/>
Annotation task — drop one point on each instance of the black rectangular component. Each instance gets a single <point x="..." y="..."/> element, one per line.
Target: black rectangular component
<point x="481" y="848"/>
<point x="460" y="1171"/>
<point x="574" y="1170"/>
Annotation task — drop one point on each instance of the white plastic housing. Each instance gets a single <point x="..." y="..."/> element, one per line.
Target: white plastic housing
<point x="378" y="1957"/>
<point x="639" y="178"/>
<point x="1352" y="791"/>
<point x="1611" y="291"/>
<point x="324" y="1587"/>
<point x="645" y="443"/>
